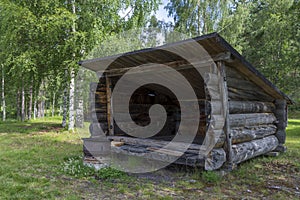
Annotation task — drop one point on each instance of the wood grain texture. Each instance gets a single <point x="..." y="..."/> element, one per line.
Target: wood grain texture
<point x="242" y="107"/>
<point x="247" y="150"/>
<point x="252" y="119"/>
<point x="281" y="115"/>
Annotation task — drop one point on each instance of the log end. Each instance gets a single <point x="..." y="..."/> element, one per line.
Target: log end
<point x="215" y="159"/>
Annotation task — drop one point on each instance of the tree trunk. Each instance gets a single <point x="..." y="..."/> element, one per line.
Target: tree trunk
<point x="18" y="105"/>
<point x="23" y="103"/>
<point x="53" y="105"/>
<point x="65" y="103"/>
<point x="79" y="101"/>
<point x="30" y="102"/>
<point x="41" y="102"/>
<point x="3" y="95"/>
<point x="72" y="76"/>
<point x="34" y="105"/>
<point x="71" y="101"/>
<point x="65" y="108"/>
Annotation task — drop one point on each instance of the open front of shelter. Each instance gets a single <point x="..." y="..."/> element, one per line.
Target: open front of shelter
<point x="239" y="113"/>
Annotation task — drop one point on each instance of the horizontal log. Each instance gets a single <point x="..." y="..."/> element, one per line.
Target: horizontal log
<point x="252" y="119"/>
<point x="240" y="107"/>
<point x="152" y="142"/>
<point x="144" y="155"/>
<point x="246" y="134"/>
<point x="247" y="95"/>
<point x="213" y="161"/>
<point x="247" y="150"/>
<point x="246" y="87"/>
<point x="231" y="72"/>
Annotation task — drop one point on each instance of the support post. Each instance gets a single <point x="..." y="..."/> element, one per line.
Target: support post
<point x="229" y="165"/>
<point x="109" y="107"/>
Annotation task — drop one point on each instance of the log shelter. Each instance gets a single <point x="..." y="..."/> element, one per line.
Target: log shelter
<point x="240" y="110"/>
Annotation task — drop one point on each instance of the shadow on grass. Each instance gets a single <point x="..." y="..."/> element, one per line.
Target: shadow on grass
<point x="29" y="127"/>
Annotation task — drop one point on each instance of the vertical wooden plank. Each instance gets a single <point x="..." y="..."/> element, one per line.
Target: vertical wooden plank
<point x="109" y="107"/>
<point x="229" y="165"/>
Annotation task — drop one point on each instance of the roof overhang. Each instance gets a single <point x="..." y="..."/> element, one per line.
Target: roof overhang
<point x="217" y="48"/>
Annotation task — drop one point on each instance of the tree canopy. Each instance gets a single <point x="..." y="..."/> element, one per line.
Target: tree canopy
<point x="42" y="41"/>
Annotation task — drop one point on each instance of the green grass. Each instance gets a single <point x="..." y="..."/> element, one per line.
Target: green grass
<point x="40" y="160"/>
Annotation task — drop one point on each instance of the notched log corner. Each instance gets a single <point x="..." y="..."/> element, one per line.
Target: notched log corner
<point x="215" y="159"/>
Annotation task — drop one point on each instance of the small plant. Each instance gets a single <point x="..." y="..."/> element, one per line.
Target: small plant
<point x="210" y="177"/>
<point x="110" y="173"/>
<point x="74" y="166"/>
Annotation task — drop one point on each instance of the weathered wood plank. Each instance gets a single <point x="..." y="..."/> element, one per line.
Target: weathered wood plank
<point x="226" y="125"/>
<point x="242" y="107"/>
<point x="251" y="119"/>
<point x="247" y="150"/>
<point x="109" y="115"/>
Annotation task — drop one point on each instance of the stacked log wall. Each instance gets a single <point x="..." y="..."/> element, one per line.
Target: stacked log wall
<point x="253" y="118"/>
<point x="98" y="107"/>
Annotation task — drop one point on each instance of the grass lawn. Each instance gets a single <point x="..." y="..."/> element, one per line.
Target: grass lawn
<point x="39" y="160"/>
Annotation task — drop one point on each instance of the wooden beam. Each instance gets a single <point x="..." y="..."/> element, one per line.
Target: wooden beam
<point x="242" y="107"/>
<point x="251" y="119"/>
<point x="109" y="107"/>
<point x="226" y="128"/>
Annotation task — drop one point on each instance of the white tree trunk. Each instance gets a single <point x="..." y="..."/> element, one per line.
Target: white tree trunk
<point x="23" y="103"/>
<point x="53" y="105"/>
<point x="79" y="100"/>
<point x="30" y="102"/>
<point x="72" y="80"/>
<point x="3" y="95"/>
<point x="65" y="108"/>
<point x="71" y="101"/>
<point x="34" y="105"/>
<point x="18" y="105"/>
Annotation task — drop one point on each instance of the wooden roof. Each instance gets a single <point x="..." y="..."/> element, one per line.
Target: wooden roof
<point x="213" y="43"/>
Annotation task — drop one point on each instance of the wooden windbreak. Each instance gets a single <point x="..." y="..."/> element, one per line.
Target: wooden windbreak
<point x="252" y="117"/>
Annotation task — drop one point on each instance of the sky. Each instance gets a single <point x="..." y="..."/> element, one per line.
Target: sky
<point x="162" y="14"/>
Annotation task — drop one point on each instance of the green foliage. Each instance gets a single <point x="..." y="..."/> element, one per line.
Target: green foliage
<point x="110" y="173"/>
<point x="273" y="42"/>
<point x="265" y="32"/>
<point x="41" y="42"/>
<point x="31" y="168"/>
<point x="74" y="166"/>
<point x="211" y="177"/>
<point x="197" y="17"/>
